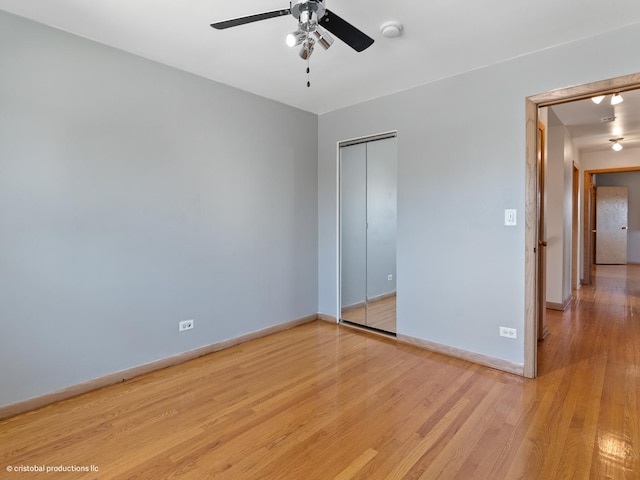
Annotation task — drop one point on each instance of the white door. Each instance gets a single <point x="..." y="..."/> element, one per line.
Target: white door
<point x="611" y="225"/>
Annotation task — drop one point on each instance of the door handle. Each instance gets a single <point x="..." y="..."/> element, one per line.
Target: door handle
<point x="624" y="228"/>
<point x="542" y="243"/>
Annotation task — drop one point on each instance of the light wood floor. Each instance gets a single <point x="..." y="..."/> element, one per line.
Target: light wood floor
<point x="325" y="402"/>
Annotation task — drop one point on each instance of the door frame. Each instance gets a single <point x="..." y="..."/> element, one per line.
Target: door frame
<point x="541" y="250"/>
<point x="575" y="225"/>
<point x="532" y="104"/>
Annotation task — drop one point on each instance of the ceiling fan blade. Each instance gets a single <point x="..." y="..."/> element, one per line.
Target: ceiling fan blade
<point x="346" y="32"/>
<point x="250" y="19"/>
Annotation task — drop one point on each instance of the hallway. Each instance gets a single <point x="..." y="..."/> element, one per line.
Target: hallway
<point x="591" y="359"/>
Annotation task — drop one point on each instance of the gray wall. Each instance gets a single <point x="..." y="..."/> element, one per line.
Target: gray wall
<point x="461" y="162"/>
<point x="631" y="180"/>
<point x="133" y="196"/>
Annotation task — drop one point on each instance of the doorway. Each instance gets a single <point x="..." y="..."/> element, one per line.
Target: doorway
<point x="589" y="224"/>
<point x="532" y="281"/>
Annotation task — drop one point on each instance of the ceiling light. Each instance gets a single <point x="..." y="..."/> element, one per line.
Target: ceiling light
<point x="597" y="99"/>
<point x="307" y="49"/>
<point x="616" y="99"/>
<point x="324" y="39"/>
<point x="391" y="29"/>
<point x="617" y="146"/>
<point x="296" y="38"/>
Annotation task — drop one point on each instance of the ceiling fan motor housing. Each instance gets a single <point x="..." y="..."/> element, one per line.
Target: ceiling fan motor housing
<point x="308" y="12"/>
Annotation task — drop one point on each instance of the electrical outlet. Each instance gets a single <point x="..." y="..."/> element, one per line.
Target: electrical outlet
<point x="185" y="325"/>
<point x="508" y="332"/>
<point x="389" y="277"/>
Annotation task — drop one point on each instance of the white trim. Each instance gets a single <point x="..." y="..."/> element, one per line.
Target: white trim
<point x="497" y="363"/>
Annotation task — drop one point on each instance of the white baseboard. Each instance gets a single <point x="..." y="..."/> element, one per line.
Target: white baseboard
<point x="560" y="306"/>
<point x="112" y="378"/>
<point x="74" y="390"/>
<point x="497" y="363"/>
<point x="327" y="318"/>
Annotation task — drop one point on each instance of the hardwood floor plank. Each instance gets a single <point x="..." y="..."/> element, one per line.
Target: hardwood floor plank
<point x="455" y="453"/>
<point x="354" y="468"/>
<point x="411" y="459"/>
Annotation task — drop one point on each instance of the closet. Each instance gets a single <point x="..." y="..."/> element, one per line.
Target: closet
<point x="368" y="191"/>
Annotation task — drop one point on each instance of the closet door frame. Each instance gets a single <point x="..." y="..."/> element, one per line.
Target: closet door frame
<point x="341" y="145"/>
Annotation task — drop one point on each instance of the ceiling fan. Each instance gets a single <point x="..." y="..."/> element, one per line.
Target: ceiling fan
<point x="312" y="18"/>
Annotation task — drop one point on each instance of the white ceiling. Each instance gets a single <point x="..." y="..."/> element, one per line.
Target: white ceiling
<point x="441" y="38"/>
<point x="588" y="123"/>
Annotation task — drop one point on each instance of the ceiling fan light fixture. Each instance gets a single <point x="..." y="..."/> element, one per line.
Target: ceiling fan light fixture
<point x="616" y="99"/>
<point x="324" y="39"/>
<point x="307" y="49"/>
<point x="597" y="99"/>
<point x="617" y="146"/>
<point x="295" y="38"/>
<point x="308" y="13"/>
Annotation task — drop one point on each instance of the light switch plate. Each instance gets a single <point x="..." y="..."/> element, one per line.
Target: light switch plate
<point x="510" y="217"/>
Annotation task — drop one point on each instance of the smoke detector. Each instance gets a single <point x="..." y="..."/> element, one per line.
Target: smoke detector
<point x="391" y="29"/>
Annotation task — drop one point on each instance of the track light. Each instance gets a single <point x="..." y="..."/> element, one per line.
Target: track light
<point x="616" y="99"/>
<point x="295" y="38"/>
<point x="597" y="99"/>
<point x="307" y="49"/>
<point x="324" y="39"/>
<point x="617" y="146"/>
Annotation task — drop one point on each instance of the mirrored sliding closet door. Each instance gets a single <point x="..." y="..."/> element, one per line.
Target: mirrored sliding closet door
<point x="368" y="179"/>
